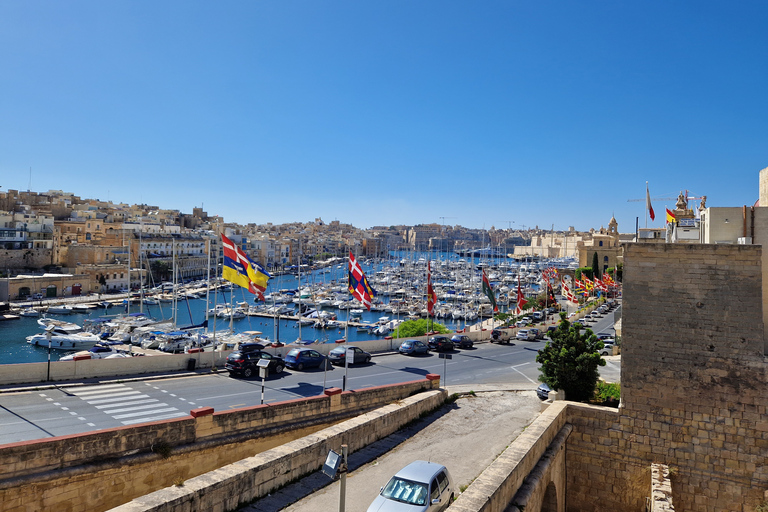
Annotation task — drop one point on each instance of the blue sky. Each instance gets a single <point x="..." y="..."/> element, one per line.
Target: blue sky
<point x="494" y="113"/>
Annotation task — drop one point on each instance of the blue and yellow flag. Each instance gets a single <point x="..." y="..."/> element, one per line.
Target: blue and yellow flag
<point x="242" y="270"/>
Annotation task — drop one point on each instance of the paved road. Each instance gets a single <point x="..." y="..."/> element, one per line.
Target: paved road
<point x="55" y="411"/>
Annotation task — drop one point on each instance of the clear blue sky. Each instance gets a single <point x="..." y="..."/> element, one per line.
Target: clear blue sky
<point x="387" y="112"/>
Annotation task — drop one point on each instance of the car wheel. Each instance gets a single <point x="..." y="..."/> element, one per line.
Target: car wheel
<point x="279" y="368"/>
<point x="247" y="373"/>
<point x="300" y="366"/>
<point x="367" y="360"/>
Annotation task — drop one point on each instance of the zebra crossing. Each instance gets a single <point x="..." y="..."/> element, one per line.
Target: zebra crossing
<point x="127" y="405"/>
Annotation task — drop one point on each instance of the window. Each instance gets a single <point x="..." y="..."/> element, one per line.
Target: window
<point x="443" y="481"/>
<point x="600" y="243"/>
<point x="434" y="490"/>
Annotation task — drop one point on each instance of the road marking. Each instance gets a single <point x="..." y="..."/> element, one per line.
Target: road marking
<point x="155" y="418"/>
<point x="107" y="400"/>
<point x="144" y="413"/>
<point x="524" y="375"/>
<point x="96" y="389"/>
<point x="133" y="402"/>
<point x="128" y="409"/>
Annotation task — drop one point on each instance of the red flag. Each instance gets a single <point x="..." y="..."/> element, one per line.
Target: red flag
<point x="520" y="297"/>
<point x="431" y="295"/>
<point x="358" y="283"/>
<point x="648" y="202"/>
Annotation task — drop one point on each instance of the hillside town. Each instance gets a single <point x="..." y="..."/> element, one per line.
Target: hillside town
<point x="57" y="244"/>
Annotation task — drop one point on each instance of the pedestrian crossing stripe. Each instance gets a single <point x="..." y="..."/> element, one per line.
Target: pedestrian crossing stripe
<point x="126" y="404"/>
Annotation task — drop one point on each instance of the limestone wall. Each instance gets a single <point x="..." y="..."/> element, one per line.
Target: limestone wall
<point x="694" y="384"/>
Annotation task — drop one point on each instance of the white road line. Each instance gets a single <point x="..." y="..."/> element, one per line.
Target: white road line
<point x="127" y="409"/>
<point x="524" y="375"/>
<point x="98" y="389"/>
<point x="110" y="395"/>
<point x="107" y="400"/>
<point x="144" y="413"/>
<point x="156" y="418"/>
<point x="133" y="402"/>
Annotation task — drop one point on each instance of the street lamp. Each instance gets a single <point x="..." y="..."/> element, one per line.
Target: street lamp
<point x="48" y="334"/>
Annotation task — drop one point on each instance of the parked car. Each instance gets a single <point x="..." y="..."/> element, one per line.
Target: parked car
<point x="440" y="344"/>
<point x="419" y="487"/>
<point x="543" y="391"/>
<point x="462" y="340"/>
<point x="536" y="334"/>
<point x="37" y="296"/>
<point x="607" y="349"/>
<point x="245" y="363"/>
<point x="301" y="358"/>
<point x="525" y="334"/>
<point x="538" y="316"/>
<point x="413" y="347"/>
<point x="339" y="356"/>
<point x="501" y="335"/>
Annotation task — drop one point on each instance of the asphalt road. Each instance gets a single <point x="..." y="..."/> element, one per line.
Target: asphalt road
<point x="70" y="409"/>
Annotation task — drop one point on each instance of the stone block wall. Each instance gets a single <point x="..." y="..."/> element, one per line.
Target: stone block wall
<point x="694" y="383"/>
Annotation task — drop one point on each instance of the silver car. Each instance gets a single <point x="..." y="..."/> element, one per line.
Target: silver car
<point x="419" y="487"/>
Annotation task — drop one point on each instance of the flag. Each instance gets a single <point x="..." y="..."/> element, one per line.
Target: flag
<point x="648" y="202"/>
<point x="567" y="292"/>
<point x="550" y="292"/>
<point x="431" y="295"/>
<point x="358" y="283"/>
<point x="520" y="298"/>
<point x="488" y="291"/>
<point x="243" y="271"/>
<point x="670" y="216"/>
<point x="587" y="283"/>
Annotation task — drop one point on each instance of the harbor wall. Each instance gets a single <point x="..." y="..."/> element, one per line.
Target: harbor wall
<point x="104" y="469"/>
<point x="100" y="368"/>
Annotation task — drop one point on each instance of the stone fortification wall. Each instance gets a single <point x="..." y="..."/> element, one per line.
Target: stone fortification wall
<point x="694" y="385"/>
<point x="23" y="259"/>
<point x="35" y="457"/>
<point x="100" y="470"/>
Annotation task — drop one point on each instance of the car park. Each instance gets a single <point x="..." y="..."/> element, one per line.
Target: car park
<point x="302" y="358"/>
<point x="440" y="344"/>
<point x="339" y="355"/>
<point x="413" y="347"/>
<point x="246" y="363"/>
<point x="543" y="391"/>
<point x="462" y="340"/>
<point x="420" y="486"/>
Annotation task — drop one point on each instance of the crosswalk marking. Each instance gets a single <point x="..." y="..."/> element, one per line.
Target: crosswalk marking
<point x="126" y="404"/>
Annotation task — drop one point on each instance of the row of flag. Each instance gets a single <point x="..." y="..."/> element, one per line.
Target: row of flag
<point x="649" y="206"/>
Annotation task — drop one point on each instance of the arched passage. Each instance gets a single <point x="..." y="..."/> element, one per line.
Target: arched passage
<point x="549" y="504"/>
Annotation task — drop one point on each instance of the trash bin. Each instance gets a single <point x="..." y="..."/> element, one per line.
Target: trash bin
<point x="191" y="364"/>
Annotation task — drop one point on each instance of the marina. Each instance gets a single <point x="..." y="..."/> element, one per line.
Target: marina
<point x="315" y="307"/>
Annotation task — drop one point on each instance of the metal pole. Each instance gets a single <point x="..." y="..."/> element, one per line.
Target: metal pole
<point x="445" y="372"/>
<point x="346" y="368"/>
<point x="262" y="385"/>
<point x="48" y="335"/>
<point x="343" y="478"/>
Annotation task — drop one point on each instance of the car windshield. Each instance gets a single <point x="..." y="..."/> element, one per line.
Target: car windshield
<point x="293" y="353"/>
<point x="406" y="491"/>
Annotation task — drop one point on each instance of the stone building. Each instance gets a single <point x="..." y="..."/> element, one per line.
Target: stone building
<point x="606" y="244"/>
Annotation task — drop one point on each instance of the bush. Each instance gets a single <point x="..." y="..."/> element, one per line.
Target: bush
<point x="608" y="393"/>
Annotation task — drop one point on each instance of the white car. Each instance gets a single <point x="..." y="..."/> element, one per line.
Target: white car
<point x="524" y="334"/>
<point x="419" y="487"/>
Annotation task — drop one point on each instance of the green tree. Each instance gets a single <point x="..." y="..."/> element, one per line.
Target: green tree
<point x="595" y="266"/>
<point x="420" y="327"/>
<point x="569" y="361"/>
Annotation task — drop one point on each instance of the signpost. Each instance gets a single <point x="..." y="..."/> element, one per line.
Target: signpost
<point x="445" y="358"/>
<point x="263" y="365"/>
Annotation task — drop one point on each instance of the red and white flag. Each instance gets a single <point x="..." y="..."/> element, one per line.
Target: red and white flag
<point x="431" y="295"/>
<point x="648" y="202"/>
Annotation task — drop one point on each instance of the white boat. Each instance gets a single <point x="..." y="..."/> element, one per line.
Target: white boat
<point x="95" y="352"/>
<point x="80" y="340"/>
<point x="29" y="312"/>
<point x="58" y="326"/>
<point x="61" y="309"/>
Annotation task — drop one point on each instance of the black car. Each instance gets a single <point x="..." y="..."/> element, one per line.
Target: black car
<point x="440" y="344"/>
<point x="462" y="340"/>
<point x="339" y="356"/>
<point x="245" y="363"/>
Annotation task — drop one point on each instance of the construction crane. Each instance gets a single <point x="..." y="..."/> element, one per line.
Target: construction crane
<point x="657" y="199"/>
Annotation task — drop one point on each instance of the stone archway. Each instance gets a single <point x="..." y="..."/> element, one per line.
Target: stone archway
<point x="549" y="504"/>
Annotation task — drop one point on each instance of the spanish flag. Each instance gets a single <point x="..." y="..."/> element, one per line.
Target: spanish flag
<point x="670" y="216"/>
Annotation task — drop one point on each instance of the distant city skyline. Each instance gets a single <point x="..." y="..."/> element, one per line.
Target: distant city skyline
<point x="505" y="114"/>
